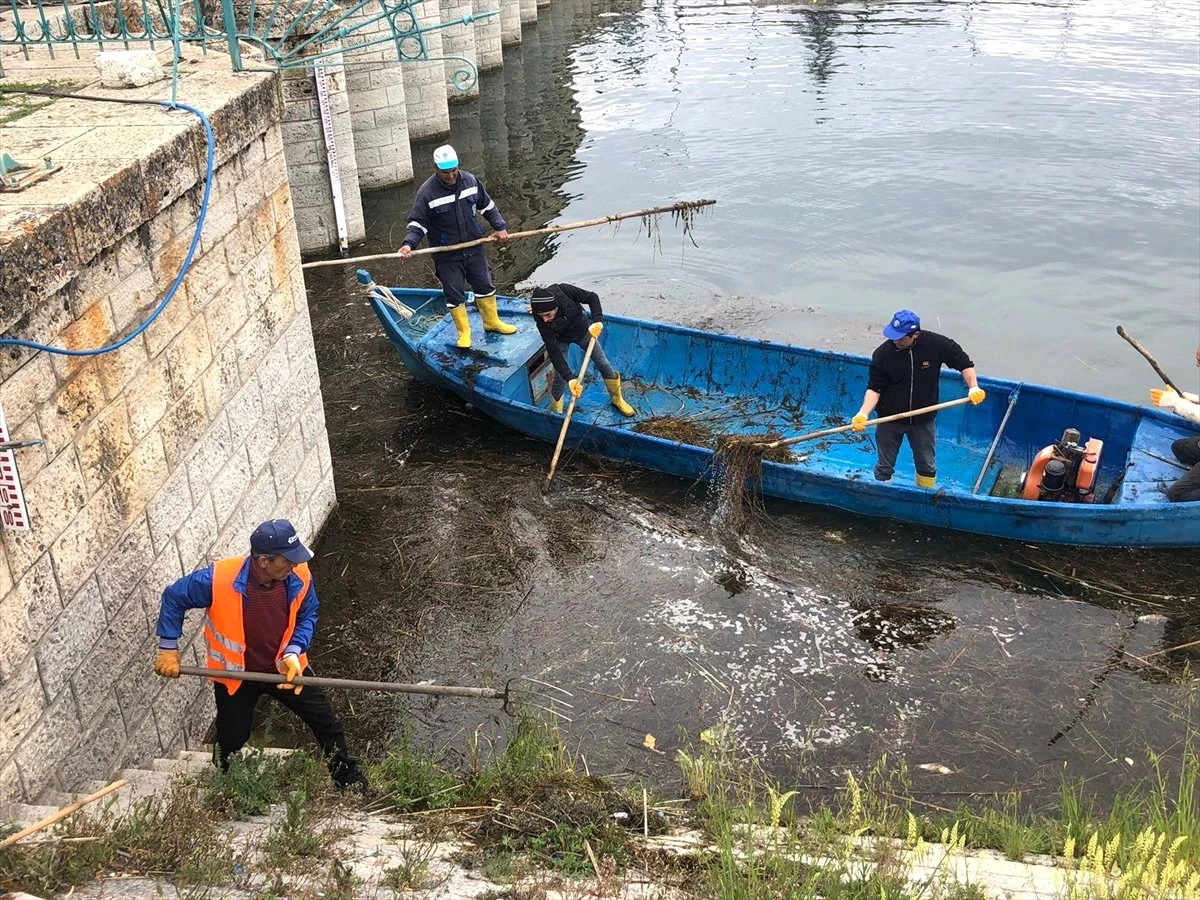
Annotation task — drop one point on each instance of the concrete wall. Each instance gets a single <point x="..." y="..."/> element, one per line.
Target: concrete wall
<point x="163" y="455"/>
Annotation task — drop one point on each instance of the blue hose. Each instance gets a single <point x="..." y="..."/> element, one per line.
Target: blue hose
<point x="187" y="262"/>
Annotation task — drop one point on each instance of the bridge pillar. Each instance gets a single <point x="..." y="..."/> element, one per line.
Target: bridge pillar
<point x="459" y="41"/>
<point x="488" y="45"/>
<point x="425" y="80"/>
<point x="378" y="113"/>
<point x="510" y="22"/>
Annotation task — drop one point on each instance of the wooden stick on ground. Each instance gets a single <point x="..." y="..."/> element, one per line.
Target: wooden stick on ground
<point x="62" y="813"/>
<point x="681" y="206"/>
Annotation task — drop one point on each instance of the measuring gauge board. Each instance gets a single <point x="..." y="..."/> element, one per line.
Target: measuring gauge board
<point x="13" y="512"/>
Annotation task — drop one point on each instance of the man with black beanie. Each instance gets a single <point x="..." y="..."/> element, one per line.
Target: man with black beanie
<point x="558" y="310"/>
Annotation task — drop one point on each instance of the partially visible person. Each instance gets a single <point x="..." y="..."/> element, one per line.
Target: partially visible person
<point x="558" y="309"/>
<point x="905" y="374"/>
<point x="1186" y="450"/>
<point x="260" y="614"/>
<point x="446" y="211"/>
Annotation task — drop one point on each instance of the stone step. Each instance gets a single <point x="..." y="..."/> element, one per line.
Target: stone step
<point x="181" y="766"/>
<point x="24" y="814"/>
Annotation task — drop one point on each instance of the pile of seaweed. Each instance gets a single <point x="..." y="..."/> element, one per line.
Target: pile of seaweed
<point x="737" y="463"/>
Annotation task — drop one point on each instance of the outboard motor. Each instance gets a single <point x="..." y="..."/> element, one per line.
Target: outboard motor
<point x="1065" y="471"/>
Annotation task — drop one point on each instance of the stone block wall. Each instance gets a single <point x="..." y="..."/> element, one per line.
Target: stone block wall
<point x="163" y="455"/>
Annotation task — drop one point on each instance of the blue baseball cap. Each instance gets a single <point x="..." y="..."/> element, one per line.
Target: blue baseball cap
<point x="278" y="538"/>
<point x="903" y="323"/>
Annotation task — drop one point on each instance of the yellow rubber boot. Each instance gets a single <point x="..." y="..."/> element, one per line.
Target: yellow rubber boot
<point x="614" y="393"/>
<point x="491" y="318"/>
<point x="926" y="481"/>
<point x="556" y="405"/>
<point x="463" y="324"/>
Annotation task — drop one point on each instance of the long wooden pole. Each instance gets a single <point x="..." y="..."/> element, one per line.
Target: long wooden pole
<point x="562" y="434"/>
<point x="436" y="690"/>
<point x="62" y="813"/>
<point x="681" y="206"/>
<point x="870" y="423"/>
<point x="1150" y="359"/>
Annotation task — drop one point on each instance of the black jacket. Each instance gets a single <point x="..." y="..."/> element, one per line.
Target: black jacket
<point x="570" y="325"/>
<point x="908" y="379"/>
<point x="447" y="214"/>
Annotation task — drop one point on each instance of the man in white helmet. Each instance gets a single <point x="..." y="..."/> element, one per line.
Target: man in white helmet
<point x="446" y="211"/>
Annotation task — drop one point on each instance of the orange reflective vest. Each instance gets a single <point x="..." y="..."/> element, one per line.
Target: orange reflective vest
<point x="224" y="630"/>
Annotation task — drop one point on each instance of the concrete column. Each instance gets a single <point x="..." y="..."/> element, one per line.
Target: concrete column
<point x="529" y="12"/>
<point x="488" y="47"/>
<point x="459" y="41"/>
<point x="425" y="79"/>
<point x="378" y="116"/>
<point x="510" y="22"/>
<point x="308" y="162"/>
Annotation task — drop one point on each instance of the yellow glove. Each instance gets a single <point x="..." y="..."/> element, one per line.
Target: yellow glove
<point x="166" y="663"/>
<point x="1162" y="396"/>
<point x="859" y="422"/>
<point x="595" y="328"/>
<point x="976" y="394"/>
<point x="575" y="387"/>
<point x="289" y="667"/>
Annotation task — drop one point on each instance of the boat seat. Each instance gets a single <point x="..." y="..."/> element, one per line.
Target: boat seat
<point x="1152" y="468"/>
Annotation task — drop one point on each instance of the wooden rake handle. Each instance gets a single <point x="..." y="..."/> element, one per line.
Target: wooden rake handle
<point x="870" y="423"/>
<point x="681" y="206"/>
<point x="1150" y="359"/>
<point x="436" y="690"/>
<point x="562" y="435"/>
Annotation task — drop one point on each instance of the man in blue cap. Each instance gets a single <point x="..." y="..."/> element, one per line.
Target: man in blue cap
<point x="904" y="375"/>
<point x="446" y="211"/>
<point x="261" y="611"/>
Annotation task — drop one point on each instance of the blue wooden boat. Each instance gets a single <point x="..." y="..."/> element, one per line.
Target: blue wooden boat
<point x="739" y="386"/>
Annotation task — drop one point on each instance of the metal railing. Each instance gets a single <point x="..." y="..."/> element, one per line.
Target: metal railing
<point x="286" y="33"/>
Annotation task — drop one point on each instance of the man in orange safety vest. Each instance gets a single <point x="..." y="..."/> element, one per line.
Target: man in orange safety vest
<point x="260" y="611"/>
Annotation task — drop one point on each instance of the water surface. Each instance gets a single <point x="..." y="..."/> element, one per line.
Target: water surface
<point x="1025" y="175"/>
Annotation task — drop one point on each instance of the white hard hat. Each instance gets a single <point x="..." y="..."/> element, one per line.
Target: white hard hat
<point x="445" y="158"/>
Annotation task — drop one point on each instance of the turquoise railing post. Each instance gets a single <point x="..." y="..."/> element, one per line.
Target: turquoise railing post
<point x="231" y="33"/>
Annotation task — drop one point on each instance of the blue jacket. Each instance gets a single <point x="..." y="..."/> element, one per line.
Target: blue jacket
<point x="195" y="592"/>
<point x="448" y="214"/>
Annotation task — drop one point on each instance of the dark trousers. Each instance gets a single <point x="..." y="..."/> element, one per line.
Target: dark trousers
<point x="599" y="360"/>
<point x="1187" y="488"/>
<point x="463" y="267"/>
<point x="235" y="718"/>
<point x="921" y="439"/>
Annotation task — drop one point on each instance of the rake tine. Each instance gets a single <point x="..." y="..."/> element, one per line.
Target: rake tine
<point x="543" y="684"/>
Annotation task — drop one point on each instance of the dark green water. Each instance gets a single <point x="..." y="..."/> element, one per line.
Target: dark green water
<point x="1025" y="175"/>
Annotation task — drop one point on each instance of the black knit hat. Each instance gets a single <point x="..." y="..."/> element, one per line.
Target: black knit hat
<point x="542" y="300"/>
